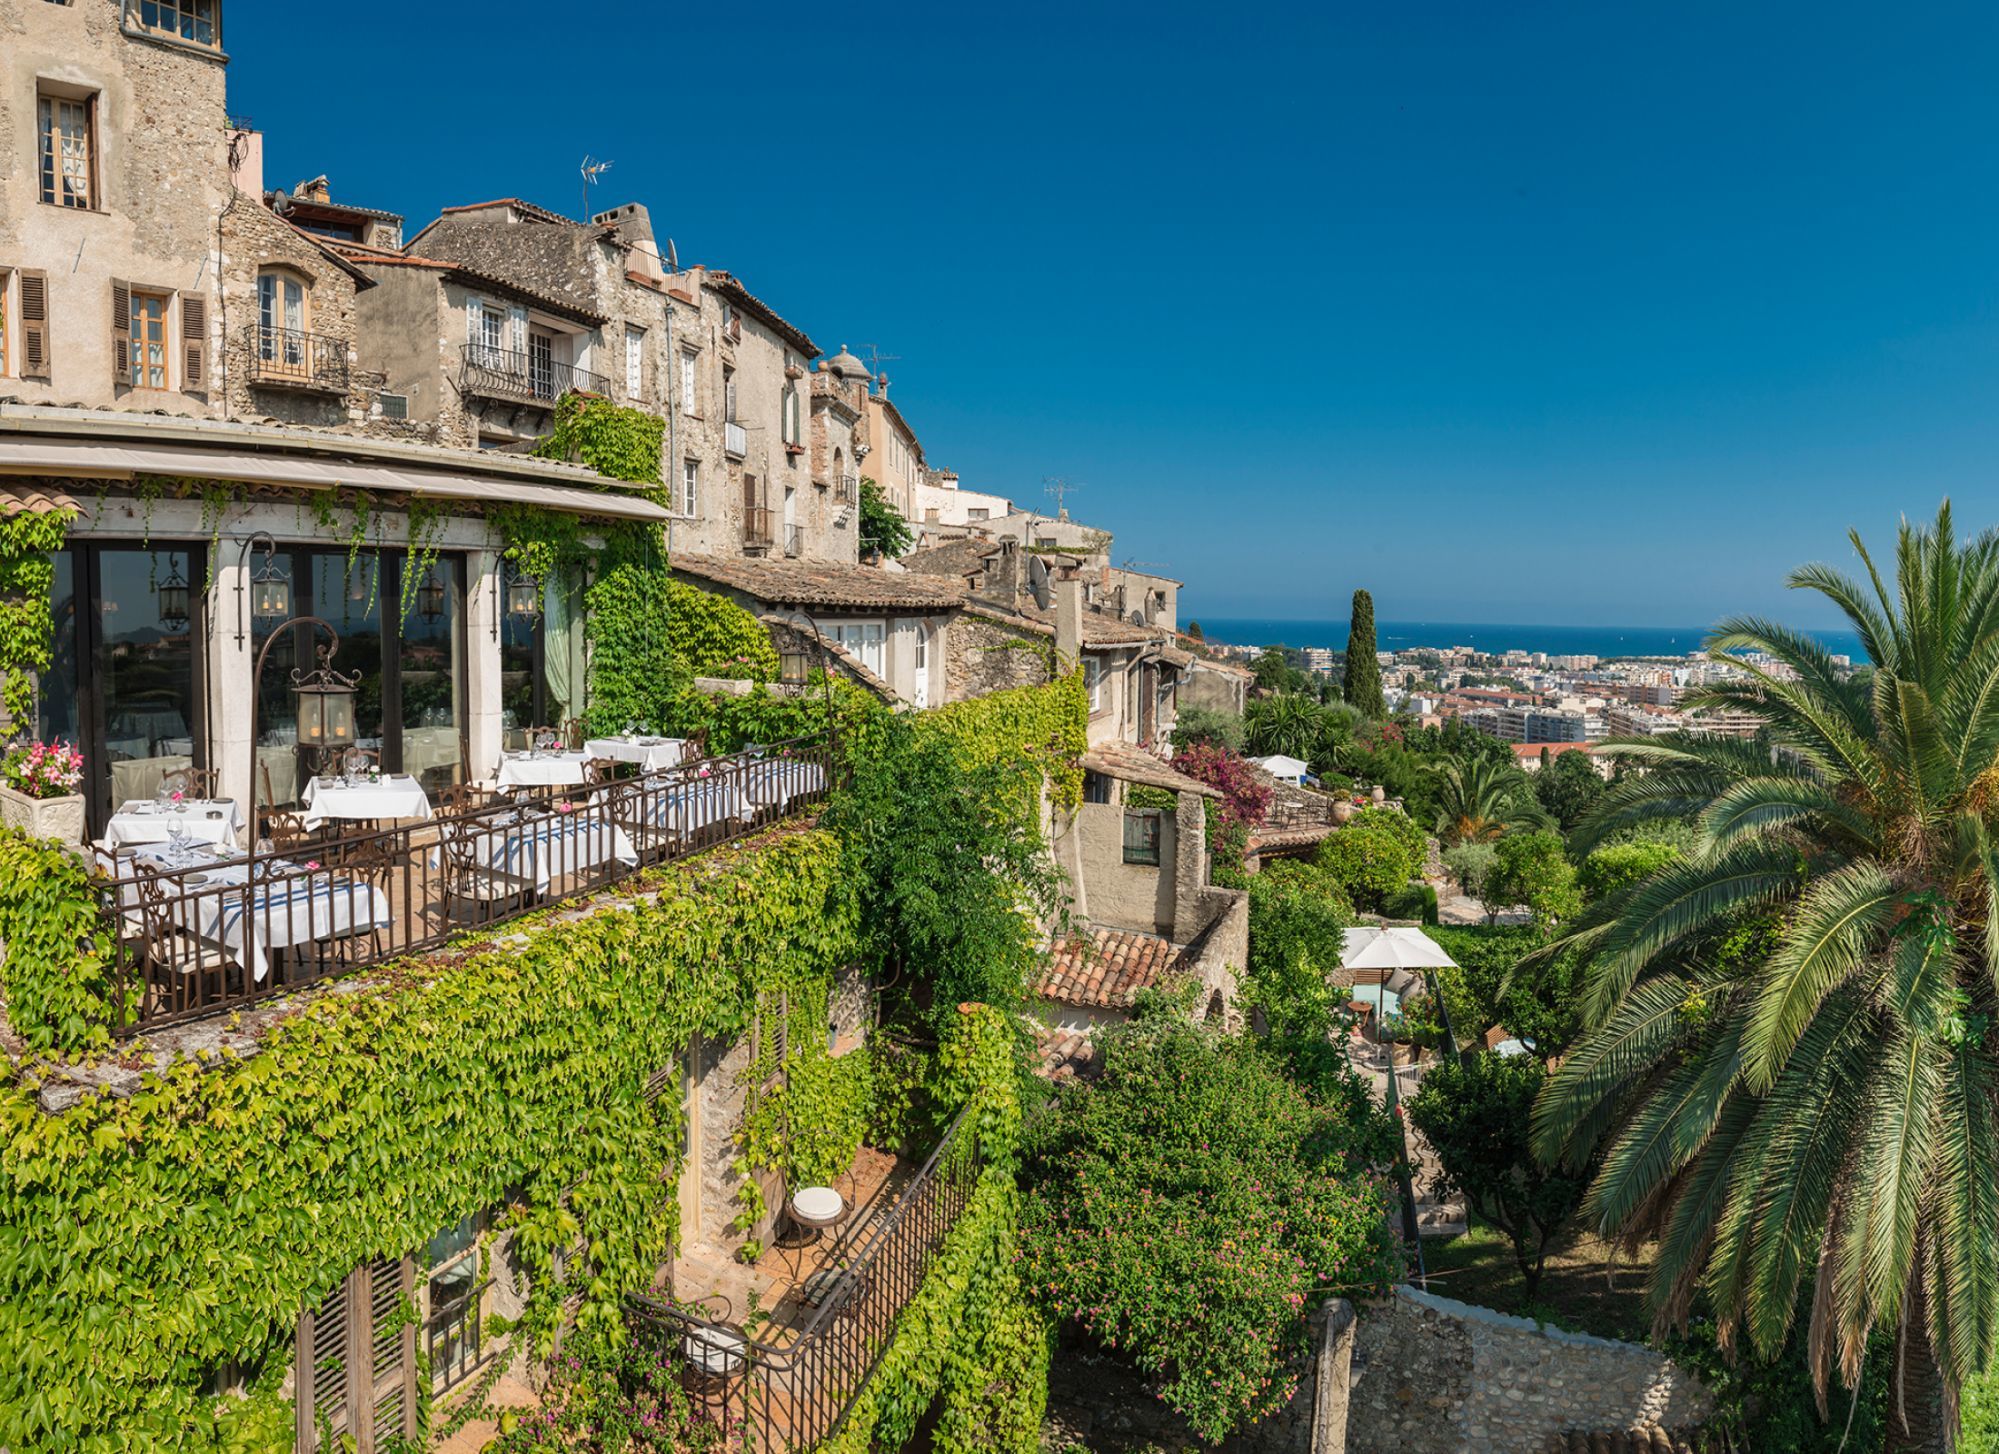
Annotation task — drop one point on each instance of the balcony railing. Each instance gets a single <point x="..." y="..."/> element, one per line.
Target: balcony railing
<point x="213" y="934"/>
<point x="286" y="358"/>
<point x="850" y="488"/>
<point x="789" y="1396"/>
<point x="503" y="373"/>
<point x="794" y="540"/>
<point x="735" y="439"/>
<point x="757" y="527"/>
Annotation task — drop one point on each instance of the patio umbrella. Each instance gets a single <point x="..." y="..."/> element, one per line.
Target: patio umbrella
<point x="1369" y="947"/>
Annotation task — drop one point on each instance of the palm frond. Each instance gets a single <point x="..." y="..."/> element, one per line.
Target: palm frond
<point x="1840" y="917"/>
<point x="1962" y="1257"/>
<point x="1665" y="1132"/>
<point x="1757" y="806"/>
<point x="1894" y="1151"/>
<point x="1598" y="1067"/>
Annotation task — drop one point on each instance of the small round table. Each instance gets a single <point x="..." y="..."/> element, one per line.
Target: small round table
<point x="715" y="1358"/>
<point x="816" y="1208"/>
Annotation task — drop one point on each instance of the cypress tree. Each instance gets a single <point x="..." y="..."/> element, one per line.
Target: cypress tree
<point x="1363" y="680"/>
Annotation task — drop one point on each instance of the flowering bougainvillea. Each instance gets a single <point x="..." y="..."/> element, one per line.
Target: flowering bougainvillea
<point x="43" y="769"/>
<point x="1188" y="1208"/>
<point x="1245" y="802"/>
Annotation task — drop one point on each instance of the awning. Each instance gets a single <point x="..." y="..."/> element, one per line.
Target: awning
<point x="85" y="459"/>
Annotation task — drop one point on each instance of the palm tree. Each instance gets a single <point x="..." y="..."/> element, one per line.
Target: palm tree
<point x="1480" y="798"/>
<point x="1791" y="1070"/>
<point x="1287" y="723"/>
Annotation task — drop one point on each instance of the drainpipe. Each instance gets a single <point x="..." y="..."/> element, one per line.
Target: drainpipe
<point x="670" y="365"/>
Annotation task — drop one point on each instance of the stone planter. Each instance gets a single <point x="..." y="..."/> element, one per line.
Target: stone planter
<point x="57" y="818"/>
<point x="1379" y="794"/>
<point x="1343" y="812"/>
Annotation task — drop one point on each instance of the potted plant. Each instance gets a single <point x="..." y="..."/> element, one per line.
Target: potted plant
<point x="40" y="790"/>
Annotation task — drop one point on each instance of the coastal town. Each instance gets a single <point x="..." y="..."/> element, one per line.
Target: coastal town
<point x="568" y="885"/>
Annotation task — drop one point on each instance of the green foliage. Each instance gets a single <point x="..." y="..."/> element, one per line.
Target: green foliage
<point x="882" y="525"/>
<point x="1475" y="1114"/>
<point x="1298" y="917"/>
<point x="1568" y="787"/>
<point x="1533" y="869"/>
<point x="634" y="672"/>
<point x="1472" y="865"/>
<point x="1771" y="1403"/>
<point x="1616" y="867"/>
<point x="711" y="636"/>
<point x="1537" y="998"/>
<point x="1197" y="725"/>
<point x="538" y="541"/>
<point x="1045" y="727"/>
<point x="27" y="586"/>
<point x="59" y="991"/>
<point x="763" y="716"/>
<point x="1186" y="1208"/>
<point x="1277" y="673"/>
<point x="617" y="442"/>
<point x="1414" y="900"/>
<point x="1139" y="795"/>
<point x="1363" y="673"/>
<point x="946" y="855"/>
<point x="1480" y="798"/>
<point x="1287" y="723"/>
<point x="1373" y="856"/>
<point x="606" y="1392"/>
<point x="173" y="1229"/>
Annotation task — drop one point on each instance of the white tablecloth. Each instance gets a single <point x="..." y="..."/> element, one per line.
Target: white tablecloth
<point x="775" y="781"/>
<point x="690" y="806"/>
<point x="549" y="770"/>
<point x="144" y="822"/>
<point x="650" y="753"/>
<point x="392" y="797"/>
<point x="275" y="915"/>
<point x="548" y="847"/>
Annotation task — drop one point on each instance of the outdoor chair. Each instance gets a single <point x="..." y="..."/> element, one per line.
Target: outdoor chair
<point x="472" y="882"/>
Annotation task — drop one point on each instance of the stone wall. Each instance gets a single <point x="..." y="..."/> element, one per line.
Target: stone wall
<point x="254" y="239"/>
<point x="1432" y="1376"/>
<point x="982" y="656"/>
<point x="1218" y="957"/>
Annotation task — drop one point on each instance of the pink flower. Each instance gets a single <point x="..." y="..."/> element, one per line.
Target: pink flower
<point x="311" y="864"/>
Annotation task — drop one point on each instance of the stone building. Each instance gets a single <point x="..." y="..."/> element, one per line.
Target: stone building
<point x="894" y="454"/>
<point x="116" y="139"/>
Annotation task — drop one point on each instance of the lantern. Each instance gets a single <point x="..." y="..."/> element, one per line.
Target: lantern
<point x="173" y="597"/>
<point x="430" y="596"/>
<point x="523" y="597"/>
<point x="270" y="591"/>
<point x="325" y="701"/>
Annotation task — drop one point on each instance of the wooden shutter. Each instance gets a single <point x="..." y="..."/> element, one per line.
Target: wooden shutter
<point x="391" y="1353"/>
<point x="121" y="331"/>
<point x="194" y="341"/>
<point x="319" y="1385"/>
<point x="34" y="325"/>
<point x="356" y="1360"/>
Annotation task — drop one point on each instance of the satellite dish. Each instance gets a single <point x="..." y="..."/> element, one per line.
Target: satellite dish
<point x="672" y="257"/>
<point x="1136" y="617"/>
<point x="1037" y="580"/>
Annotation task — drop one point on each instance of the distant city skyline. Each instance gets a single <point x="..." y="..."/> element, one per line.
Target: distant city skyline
<point x="1565" y="313"/>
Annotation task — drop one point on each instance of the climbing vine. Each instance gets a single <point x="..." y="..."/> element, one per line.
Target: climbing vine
<point x="426" y="528"/>
<point x="362" y="518"/>
<point x="1047" y="726"/>
<point x="58" y="986"/>
<point x="27" y="628"/>
<point x="713" y="636"/>
<point x="617" y="442"/>
<point x="146" y="1239"/>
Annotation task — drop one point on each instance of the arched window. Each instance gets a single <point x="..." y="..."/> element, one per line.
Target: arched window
<point x="282" y="318"/>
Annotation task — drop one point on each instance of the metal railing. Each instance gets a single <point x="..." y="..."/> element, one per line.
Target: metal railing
<point x="197" y="931"/>
<point x="757" y="526"/>
<point x="290" y="359"/>
<point x="504" y="373"/>
<point x="735" y="439"/>
<point x="850" y="488"/>
<point x="455" y="1339"/>
<point x="780" y="1398"/>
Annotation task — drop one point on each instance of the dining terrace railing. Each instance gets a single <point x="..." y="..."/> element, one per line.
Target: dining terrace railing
<point x="198" y="929"/>
<point x="504" y="373"/>
<point x="288" y="358"/>
<point x="782" y="1397"/>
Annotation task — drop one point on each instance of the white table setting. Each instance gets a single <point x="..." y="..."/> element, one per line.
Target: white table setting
<point x="381" y="796"/>
<point x="201" y="820"/>
<point x="560" y="768"/>
<point x="546" y="846"/>
<point x="772" y="782"/>
<point x="690" y="805"/>
<point x="649" y="753"/>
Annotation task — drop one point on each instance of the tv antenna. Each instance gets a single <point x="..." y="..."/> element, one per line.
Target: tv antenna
<point x="1061" y="489"/>
<point x="1131" y="564"/>
<point x="876" y="358"/>
<point x="592" y="170"/>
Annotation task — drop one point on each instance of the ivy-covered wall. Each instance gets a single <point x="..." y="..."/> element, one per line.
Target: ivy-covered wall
<point x="1047" y="726"/>
<point x="144" y="1241"/>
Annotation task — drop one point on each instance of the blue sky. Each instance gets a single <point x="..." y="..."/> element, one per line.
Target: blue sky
<point x="1527" y="312"/>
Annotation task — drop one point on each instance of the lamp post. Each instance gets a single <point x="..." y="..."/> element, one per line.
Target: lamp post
<point x="325" y="707"/>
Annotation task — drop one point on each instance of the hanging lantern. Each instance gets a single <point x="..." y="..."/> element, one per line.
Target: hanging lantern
<point x="430" y="596"/>
<point x="523" y="597"/>
<point x="325" y="701"/>
<point x="270" y="590"/>
<point x="173" y="595"/>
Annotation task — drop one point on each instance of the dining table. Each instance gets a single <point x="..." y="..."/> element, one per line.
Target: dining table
<point x="537" y="769"/>
<point x="390" y="795"/>
<point x="649" y="753"/>
<point x="775" y="782"/>
<point x="546" y="846"/>
<point x="200" y="820"/>
<point x="685" y="807"/>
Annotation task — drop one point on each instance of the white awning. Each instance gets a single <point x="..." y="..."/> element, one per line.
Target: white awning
<point x="85" y="459"/>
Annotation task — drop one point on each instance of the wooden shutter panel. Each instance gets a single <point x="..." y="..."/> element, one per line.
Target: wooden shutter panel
<point x="121" y="331"/>
<point x="194" y="341"/>
<point x="319" y="1385"/>
<point x="34" y="325"/>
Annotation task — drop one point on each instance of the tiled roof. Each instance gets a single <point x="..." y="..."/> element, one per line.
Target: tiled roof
<point x="31" y="500"/>
<point x="955" y="558"/>
<point x="731" y="287"/>
<point x="1130" y="764"/>
<point x="804" y="583"/>
<point x="1063" y="1055"/>
<point x="1553" y="749"/>
<point x="1106" y="968"/>
<point x="1279" y="839"/>
<point x="369" y="257"/>
<point x="540" y="214"/>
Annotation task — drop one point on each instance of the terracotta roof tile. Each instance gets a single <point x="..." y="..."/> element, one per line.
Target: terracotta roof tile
<point x="1130" y="764"/>
<point x="32" y="500"/>
<point x="731" y="287"/>
<point x="1106" y="968"/>
<point x="1064" y="1055"/>
<point x="810" y="583"/>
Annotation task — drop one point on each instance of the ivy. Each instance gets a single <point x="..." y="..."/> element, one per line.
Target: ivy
<point x="617" y="442"/>
<point x="27" y="583"/>
<point x="713" y="636"/>
<point x="361" y="519"/>
<point x="426" y="528"/>
<point x="146" y="1239"/>
<point x="1046" y="726"/>
<point x="58" y="947"/>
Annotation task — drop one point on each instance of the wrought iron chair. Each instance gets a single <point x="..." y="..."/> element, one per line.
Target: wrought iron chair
<point x="470" y="879"/>
<point x="194" y="782"/>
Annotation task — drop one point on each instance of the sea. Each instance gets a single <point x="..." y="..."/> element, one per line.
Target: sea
<point x="1600" y="641"/>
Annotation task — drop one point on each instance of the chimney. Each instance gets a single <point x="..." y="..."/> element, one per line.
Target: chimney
<point x="1068" y="615"/>
<point x="316" y="190"/>
<point x="246" y="162"/>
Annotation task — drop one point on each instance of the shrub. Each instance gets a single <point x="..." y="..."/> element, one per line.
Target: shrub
<point x="1416" y="901"/>
<point x="1375" y="855"/>
<point x="1538" y="1004"/>
<point x="1475" y="1114"/>
<point x="1187" y="1208"/>
<point x="1297" y="931"/>
<point x="1533" y="870"/>
<point x="1615" y="868"/>
<point x="1472" y="865"/>
<point x="1207" y="726"/>
<point x="1244" y="802"/>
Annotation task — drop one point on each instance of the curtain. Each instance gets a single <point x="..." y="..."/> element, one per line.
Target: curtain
<point x="560" y="669"/>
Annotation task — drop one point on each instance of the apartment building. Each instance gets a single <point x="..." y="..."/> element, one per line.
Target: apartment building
<point x="894" y="455"/>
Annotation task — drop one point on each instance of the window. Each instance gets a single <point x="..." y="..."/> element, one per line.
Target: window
<point x="281" y="320"/>
<point x="863" y="639"/>
<point x="635" y="356"/>
<point x="541" y="365"/>
<point x="1096" y="787"/>
<point x="687" y="382"/>
<point x="68" y="130"/>
<point x="355" y="1373"/>
<point x="1093" y="678"/>
<point x="1141" y="836"/>
<point x="690" y="487"/>
<point x="790" y="414"/>
<point x="978" y="514"/>
<point x="147" y="366"/>
<point x="195" y="21"/>
<point x="729" y="394"/>
<point x="453" y="1336"/>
